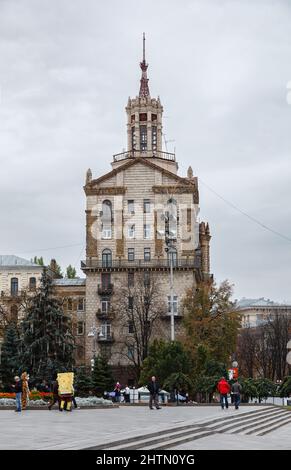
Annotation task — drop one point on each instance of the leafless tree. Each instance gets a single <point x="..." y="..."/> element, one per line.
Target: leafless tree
<point x="247" y="351"/>
<point x="262" y="350"/>
<point x="138" y="309"/>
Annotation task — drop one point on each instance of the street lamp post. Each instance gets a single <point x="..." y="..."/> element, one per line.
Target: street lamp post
<point x="170" y="238"/>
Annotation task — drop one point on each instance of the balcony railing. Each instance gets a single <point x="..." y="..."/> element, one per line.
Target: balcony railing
<point x="105" y="339"/>
<point x="146" y="154"/>
<point x="105" y="289"/>
<point x="105" y="315"/>
<point x="141" y="264"/>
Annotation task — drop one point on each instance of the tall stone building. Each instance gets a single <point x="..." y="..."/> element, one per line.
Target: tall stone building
<point x="129" y="211"/>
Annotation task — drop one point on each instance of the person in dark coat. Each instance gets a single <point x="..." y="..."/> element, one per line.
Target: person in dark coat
<point x="55" y="391"/>
<point x="154" y="388"/>
<point x="236" y="391"/>
<point x="17" y="388"/>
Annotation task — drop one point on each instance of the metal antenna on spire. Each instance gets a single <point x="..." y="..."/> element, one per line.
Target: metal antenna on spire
<point x="144" y="91"/>
<point x="143" y="56"/>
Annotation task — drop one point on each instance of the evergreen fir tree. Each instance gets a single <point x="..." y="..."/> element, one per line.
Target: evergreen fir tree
<point x="83" y="382"/>
<point x="102" y="378"/>
<point x="9" y="356"/>
<point x="47" y="342"/>
<point x="71" y="272"/>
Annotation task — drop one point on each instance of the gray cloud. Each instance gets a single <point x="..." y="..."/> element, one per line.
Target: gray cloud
<point x="221" y="70"/>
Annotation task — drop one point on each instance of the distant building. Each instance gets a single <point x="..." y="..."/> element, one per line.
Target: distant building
<point x="17" y="275"/>
<point x="256" y="312"/>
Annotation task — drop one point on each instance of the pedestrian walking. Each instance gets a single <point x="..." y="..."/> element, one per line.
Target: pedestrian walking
<point x="126" y="394"/>
<point x="154" y="388"/>
<point x="117" y="390"/>
<point x="236" y="390"/>
<point x="17" y="387"/>
<point x="55" y="392"/>
<point x="224" y="388"/>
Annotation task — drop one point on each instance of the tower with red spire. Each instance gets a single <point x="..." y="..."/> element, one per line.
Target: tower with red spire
<point x="144" y="125"/>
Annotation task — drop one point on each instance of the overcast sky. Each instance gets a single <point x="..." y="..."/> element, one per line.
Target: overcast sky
<point x="221" y="69"/>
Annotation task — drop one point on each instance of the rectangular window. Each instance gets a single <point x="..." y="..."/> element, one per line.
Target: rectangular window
<point x="175" y="304"/>
<point x="105" y="305"/>
<point x="131" y="231"/>
<point x="154" y="137"/>
<point x="147" y="254"/>
<point x="130" y="352"/>
<point x="106" y="232"/>
<point x="81" y="304"/>
<point x="130" y="279"/>
<point x="70" y="304"/>
<point x="105" y="331"/>
<point x="147" y="231"/>
<point x="80" y="328"/>
<point x="130" y="252"/>
<point x="130" y="206"/>
<point x="146" y="278"/>
<point x="105" y="280"/>
<point x="130" y="327"/>
<point x="143" y="138"/>
<point x="130" y="303"/>
<point x="146" y="206"/>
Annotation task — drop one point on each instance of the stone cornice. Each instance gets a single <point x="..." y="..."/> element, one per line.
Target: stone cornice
<point x="113" y="191"/>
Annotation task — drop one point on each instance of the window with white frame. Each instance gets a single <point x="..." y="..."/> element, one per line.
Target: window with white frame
<point x="105" y="306"/>
<point x="175" y="304"/>
<point x="105" y="330"/>
<point x="146" y="231"/>
<point x="130" y="206"/>
<point x="131" y="231"/>
<point x="147" y="254"/>
<point x="130" y="254"/>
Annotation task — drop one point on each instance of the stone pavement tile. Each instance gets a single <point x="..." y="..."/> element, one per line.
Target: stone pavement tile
<point x="85" y="428"/>
<point x="276" y="440"/>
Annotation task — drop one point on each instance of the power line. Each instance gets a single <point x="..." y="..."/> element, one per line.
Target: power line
<point x="253" y="219"/>
<point x="51" y="248"/>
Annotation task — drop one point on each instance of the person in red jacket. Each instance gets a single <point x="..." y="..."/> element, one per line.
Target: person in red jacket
<point x="224" y="388"/>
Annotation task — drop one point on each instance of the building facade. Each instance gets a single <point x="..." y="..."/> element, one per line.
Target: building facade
<point x="17" y="277"/>
<point x="256" y="312"/>
<point x="133" y="213"/>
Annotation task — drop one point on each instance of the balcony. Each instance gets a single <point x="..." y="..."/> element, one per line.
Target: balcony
<point x="105" y="289"/>
<point x="146" y="154"/>
<point x="156" y="264"/>
<point x="104" y="315"/>
<point x="105" y="339"/>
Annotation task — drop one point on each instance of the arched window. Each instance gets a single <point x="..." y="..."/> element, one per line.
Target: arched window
<point x="14" y="286"/>
<point x="14" y="313"/>
<point x="106" y="258"/>
<point x="106" y="219"/>
<point x="32" y="283"/>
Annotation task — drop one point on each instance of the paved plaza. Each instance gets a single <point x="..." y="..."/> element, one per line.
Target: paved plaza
<point x="82" y="429"/>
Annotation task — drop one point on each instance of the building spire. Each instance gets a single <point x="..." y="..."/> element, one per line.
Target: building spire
<point x="144" y="91"/>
